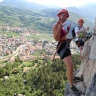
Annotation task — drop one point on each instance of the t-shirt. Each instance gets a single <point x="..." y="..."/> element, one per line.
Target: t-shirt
<point x="78" y="29"/>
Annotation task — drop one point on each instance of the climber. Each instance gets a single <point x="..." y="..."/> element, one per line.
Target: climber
<point x="80" y="35"/>
<point x="63" y="50"/>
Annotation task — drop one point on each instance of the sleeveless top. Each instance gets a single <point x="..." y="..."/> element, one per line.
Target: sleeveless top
<point x="63" y="33"/>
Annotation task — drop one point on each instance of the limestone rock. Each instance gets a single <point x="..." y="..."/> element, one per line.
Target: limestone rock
<point x="88" y="65"/>
<point x="87" y="69"/>
<point x="79" y="85"/>
<point x="87" y="49"/>
<point x="93" y="50"/>
<point x="91" y="90"/>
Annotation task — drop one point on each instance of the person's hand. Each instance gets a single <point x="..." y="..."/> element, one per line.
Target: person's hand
<point x="68" y="28"/>
<point x="61" y="17"/>
<point x="60" y="20"/>
<point x="87" y="28"/>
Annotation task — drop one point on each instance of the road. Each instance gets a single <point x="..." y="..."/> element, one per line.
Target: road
<point x="15" y="53"/>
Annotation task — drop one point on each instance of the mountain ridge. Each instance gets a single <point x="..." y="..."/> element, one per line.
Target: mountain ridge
<point x="26" y="4"/>
<point x="41" y="20"/>
<point x="87" y="10"/>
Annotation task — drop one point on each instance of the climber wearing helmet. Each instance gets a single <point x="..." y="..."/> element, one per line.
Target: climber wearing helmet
<point x="60" y="35"/>
<point x="80" y="31"/>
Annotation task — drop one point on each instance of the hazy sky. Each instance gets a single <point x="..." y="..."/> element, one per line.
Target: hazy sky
<point x="64" y="3"/>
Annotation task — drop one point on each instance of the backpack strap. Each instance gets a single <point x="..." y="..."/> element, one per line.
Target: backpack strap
<point x="78" y="27"/>
<point x="56" y="51"/>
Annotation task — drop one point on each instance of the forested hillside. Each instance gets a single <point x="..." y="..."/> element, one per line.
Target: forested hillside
<point x="40" y="77"/>
<point x="41" y="20"/>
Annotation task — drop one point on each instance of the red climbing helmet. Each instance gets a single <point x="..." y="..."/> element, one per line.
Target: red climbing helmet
<point x="80" y="20"/>
<point x="63" y="11"/>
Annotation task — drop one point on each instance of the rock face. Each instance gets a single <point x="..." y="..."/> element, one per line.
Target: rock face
<point x="91" y="90"/>
<point x="88" y="69"/>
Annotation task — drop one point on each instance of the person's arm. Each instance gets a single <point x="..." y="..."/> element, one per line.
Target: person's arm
<point x="78" y="31"/>
<point x="57" y="31"/>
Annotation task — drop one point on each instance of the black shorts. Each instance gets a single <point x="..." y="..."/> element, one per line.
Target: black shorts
<point x="80" y="43"/>
<point x="63" y="50"/>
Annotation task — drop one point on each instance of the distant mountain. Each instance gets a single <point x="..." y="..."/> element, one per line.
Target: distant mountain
<point x="40" y="20"/>
<point x="89" y="10"/>
<point x="74" y="9"/>
<point x="25" y="4"/>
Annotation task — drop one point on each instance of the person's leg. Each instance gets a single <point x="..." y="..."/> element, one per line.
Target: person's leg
<point x="68" y="62"/>
<point x="69" y="65"/>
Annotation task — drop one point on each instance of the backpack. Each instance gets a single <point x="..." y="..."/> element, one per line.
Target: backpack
<point x="73" y="32"/>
